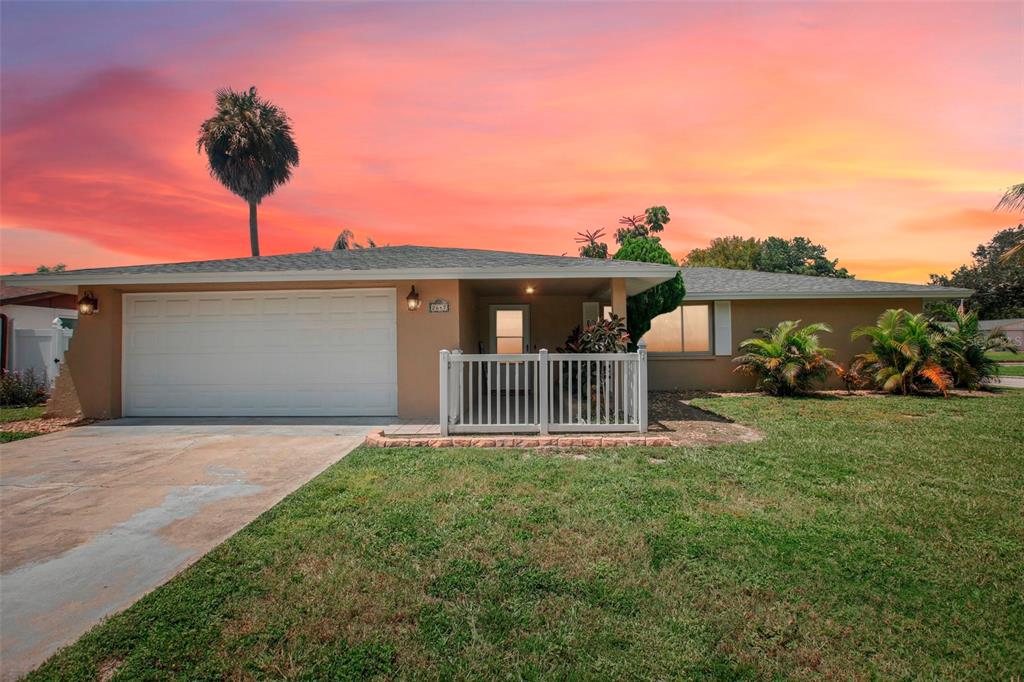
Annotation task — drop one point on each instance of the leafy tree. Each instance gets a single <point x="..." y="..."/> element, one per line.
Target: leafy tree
<point x="998" y="283"/>
<point x="347" y="240"/>
<point x="663" y="298"/>
<point x="649" y="224"/>
<point x="799" y="256"/>
<point x="904" y="352"/>
<point x="787" y="359"/>
<point x="963" y="348"/>
<point x="344" y="241"/>
<point x="249" y="149"/>
<point x="734" y="253"/>
<point x="592" y="247"/>
<point x="59" y="267"/>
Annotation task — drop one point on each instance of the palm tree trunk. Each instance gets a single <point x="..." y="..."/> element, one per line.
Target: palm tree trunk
<point x="254" y="234"/>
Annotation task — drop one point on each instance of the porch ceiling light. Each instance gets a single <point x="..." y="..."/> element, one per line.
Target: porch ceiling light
<point x="87" y="304"/>
<point x="530" y="289"/>
<point x="412" y="301"/>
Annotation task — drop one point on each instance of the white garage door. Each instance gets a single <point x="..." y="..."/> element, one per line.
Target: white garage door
<point x="266" y="353"/>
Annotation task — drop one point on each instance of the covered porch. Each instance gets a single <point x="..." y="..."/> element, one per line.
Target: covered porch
<point x="507" y="376"/>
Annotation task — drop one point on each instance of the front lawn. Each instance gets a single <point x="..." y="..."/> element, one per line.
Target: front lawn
<point x="1006" y="356"/>
<point x="17" y="414"/>
<point x="1011" y="370"/>
<point x="863" y="537"/>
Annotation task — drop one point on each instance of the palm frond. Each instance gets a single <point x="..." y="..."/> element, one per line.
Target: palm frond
<point x="1012" y="199"/>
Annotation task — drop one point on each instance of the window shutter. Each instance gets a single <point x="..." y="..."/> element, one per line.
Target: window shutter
<point x="591" y="313"/>
<point x="723" y="327"/>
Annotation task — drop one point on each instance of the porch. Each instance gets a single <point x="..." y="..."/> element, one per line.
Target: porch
<point x="522" y="393"/>
<point x="502" y="378"/>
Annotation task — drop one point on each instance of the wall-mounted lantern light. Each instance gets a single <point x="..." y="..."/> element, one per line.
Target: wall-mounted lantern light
<point x="87" y="304"/>
<point x="412" y="301"/>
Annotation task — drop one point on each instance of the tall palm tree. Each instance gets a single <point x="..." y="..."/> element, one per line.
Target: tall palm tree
<point x="250" y="149"/>
<point x="1013" y="200"/>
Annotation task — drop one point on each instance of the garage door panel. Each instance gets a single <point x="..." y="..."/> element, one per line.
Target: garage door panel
<point x="260" y="353"/>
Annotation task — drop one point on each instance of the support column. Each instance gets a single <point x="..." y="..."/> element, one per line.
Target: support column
<point x="619" y="297"/>
<point x="443" y="397"/>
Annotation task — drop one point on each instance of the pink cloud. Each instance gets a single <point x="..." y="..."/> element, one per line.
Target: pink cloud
<point x="486" y="127"/>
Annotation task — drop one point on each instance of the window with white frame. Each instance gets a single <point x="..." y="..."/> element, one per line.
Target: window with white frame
<point x="510" y="328"/>
<point x="686" y="330"/>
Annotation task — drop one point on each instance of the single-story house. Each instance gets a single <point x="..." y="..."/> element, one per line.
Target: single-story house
<point x="34" y="327"/>
<point x="1013" y="328"/>
<point x="359" y="332"/>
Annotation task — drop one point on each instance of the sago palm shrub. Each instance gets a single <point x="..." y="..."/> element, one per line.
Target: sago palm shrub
<point x="963" y="348"/>
<point x="787" y="359"/>
<point x="904" y="353"/>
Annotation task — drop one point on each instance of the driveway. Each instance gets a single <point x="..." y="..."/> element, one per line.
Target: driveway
<point x="1009" y="382"/>
<point x="95" y="517"/>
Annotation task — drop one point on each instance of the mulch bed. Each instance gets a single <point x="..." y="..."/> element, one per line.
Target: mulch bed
<point x="45" y="424"/>
<point x="671" y="415"/>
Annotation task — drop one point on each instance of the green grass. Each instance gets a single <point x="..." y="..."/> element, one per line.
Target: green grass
<point x="1011" y="370"/>
<point x="11" y="436"/>
<point x="862" y="538"/>
<point x="1007" y="356"/>
<point x="17" y="414"/>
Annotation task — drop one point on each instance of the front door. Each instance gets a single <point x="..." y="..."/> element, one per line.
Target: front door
<point x="510" y="334"/>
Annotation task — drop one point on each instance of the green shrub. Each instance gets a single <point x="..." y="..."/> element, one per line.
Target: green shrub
<point x="904" y="354"/>
<point x="963" y="348"/>
<point x="22" y="388"/>
<point x="663" y="298"/>
<point x="787" y="359"/>
<point x="602" y="336"/>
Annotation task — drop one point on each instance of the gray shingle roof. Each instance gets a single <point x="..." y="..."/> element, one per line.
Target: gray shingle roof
<point x="394" y="261"/>
<point x="723" y="283"/>
<point x="380" y="258"/>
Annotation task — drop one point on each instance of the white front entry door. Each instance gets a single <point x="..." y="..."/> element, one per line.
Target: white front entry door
<point x="260" y="353"/>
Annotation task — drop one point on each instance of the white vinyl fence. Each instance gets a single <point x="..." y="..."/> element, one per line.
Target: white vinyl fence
<point x="41" y="350"/>
<point x="543" y="392"/>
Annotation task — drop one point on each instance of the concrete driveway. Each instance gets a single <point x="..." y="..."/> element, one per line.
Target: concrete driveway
<point x="93" y="518"/>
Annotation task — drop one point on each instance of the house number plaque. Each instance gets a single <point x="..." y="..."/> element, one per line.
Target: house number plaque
<point x="438" y="306"/>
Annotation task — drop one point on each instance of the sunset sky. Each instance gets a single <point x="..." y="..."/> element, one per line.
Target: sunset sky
<point x="884" y="131"/>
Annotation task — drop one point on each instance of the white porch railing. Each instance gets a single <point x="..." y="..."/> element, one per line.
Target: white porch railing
<point x="543" y="392"/>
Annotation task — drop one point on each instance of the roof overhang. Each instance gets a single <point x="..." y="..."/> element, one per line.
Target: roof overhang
<point x="937" y="293"/>
<point x="638" y="279"/>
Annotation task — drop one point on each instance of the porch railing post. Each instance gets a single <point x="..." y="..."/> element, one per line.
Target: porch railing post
<point x="641" y="383"/>
<point x="443" y="402"/>
<point x="544" y="389"/>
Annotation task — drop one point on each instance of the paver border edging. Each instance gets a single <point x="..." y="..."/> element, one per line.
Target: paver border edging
<point x="379" y="440"/>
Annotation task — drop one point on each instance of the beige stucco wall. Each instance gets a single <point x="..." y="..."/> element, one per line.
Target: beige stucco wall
<point x="94" y="357"/>
<point x="717" y="372"/>
<point x="469" y="333"/>
<point x="552" y="318"/>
